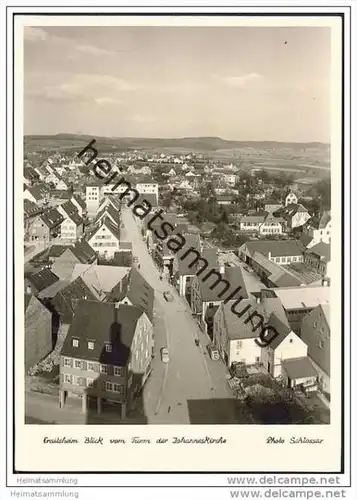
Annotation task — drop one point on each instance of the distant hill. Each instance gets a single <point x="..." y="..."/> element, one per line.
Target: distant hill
<point x="203" y="144"/>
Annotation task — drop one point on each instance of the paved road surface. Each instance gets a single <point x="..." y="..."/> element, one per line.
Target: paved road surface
<point x="190" y="373"/>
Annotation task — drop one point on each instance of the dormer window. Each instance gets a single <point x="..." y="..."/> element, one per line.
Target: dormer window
<point x="108" y="348"/>
<point x="75" y="342"/>
<point x="91" y="346"/>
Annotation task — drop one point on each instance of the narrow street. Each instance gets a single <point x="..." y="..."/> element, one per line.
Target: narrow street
<point x="190" y="375"/>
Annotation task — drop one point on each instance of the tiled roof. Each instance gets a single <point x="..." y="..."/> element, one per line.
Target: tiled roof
<point x="52" y="218"/>
<point x="282" y="248"/>
<point x="102" y="323"/>
<point x="305" y="239"/>
<point x="100" y="279"/>
<point x="66" y="300"/>
<point x="30" y="174"/>
<point x="298" y="368"/>
<point x="236" y="326"/>
<point x="109" y="212"/>
<point x="322" y="250"/>
<point x="30" y="208"/>
<point x="84" y="252"/>
<point x="79" y="200"/>
<point x="147" y="197"/>
<point x="281" y="329"/>
<point x="72" y="212"/>
<point x="42" y="279"/>
<point x="57" y="250"/>
<point x="38" y="192"/>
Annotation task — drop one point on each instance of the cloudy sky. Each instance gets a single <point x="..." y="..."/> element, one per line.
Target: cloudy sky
<point x="235" y="83"/>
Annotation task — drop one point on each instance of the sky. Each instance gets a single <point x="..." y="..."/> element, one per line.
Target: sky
<point x="237" y="83"/>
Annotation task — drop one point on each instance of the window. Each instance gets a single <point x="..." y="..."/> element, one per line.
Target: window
<point x="283" y="259"/>
<point x="239" y="344"/>
<point x="118" y="371"/>
<point x="91" y="345"/>
<point x="67" y="362"/>
<point x="257" y="359"/>
<point x="108" y="386"/>
<point x="108" y="348"/>
<point x="75" y="342"/>
<point x="91" y="382"/>
<point x="104" y="368"/>
<point x="68" y="378"/>
<point x="78" y="364"/>
<point x="294" y="259"/>
<point x="321" y="344"/>
<point x="291" y="341"/>
<point x="118" y="388"/>
<point x="91" y="367"/>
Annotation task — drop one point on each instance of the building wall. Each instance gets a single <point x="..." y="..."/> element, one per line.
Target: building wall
<point x="220" y="337"/>
<point x="320" y="235"/>
<point x="92" y="200"/>
<point x="299" y="219"/>
<point x="245" y="351"/>
<point x="80" y="387"/>
<point x="38" y="230"/>
<point x="104" y="242"/>
<point x="274" y="228"/>
<point x="63" y="266"/>
<point x="69" y="231"/>
<point x="291" y="198"/>
<point x="315" y="332"/>
<point x="291" y="347"/>
<point x="38" y="332"/>
<point x="286" y="259"/>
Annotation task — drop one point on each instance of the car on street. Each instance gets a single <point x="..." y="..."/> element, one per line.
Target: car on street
<point x="168" y="297"/>
<point x="164" y="355"/>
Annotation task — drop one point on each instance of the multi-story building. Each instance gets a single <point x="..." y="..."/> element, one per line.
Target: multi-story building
<point x="105" y="238"/>
<point x="282" y="252"/>
<point x="106" y="357"/>
<point x="72" y="225"/>
<point x="317" y="230"/>
<point x="93" y="199"/>
<point x="315" y="332"/>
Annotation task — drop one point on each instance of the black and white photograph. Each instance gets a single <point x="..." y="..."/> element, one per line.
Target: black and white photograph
<point x="182" y="192"/>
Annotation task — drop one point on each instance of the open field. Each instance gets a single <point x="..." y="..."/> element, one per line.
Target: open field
<point x="295" y="158"/>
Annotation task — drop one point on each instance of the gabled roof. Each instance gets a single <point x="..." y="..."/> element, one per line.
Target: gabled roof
<point x="30" y="174"/>
<point x="42" y="279"/>
<point x="280" y="328"/>
<point x="115" y="230"/>
<point x="84" y="252"/>
<point x="322" y="250"/>
<point x="192" y="241"/>
<point x="79" y="200"/>
<point x="325" y="219"/>
<point x="236" y="326"/>
<point x="292" y="209"/>
<point x="102" y="323"/>
<point x="66" y="300"/>
<point x="52" y="218"/>
<point x="137" y="290"/>
<point x="100" y="279"/>
<point x="38" y="192"/>
<point x="30" y="208"/>
<point x="109" y="212"/>
<point x="298" y="368"/>
<point x="148" y="198"/>
<point x="305" y="239"/>
<point x="72" y="212"/>
<point x="57" y="250"/>
<point x="281" y="248"/>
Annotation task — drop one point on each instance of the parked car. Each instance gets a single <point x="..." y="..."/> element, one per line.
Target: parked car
<point x="213" y="352"/>
<point x="164" y="355"/>
<point x="168" y="297"/>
